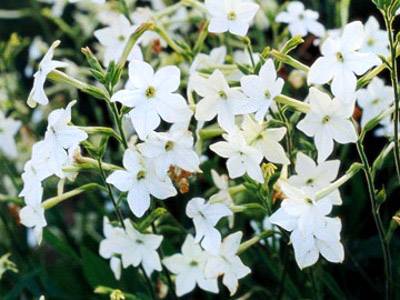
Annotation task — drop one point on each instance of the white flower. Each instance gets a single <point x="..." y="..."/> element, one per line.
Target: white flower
<point x="327" y="120"/>
<point x="301" y="21"/>
<point x="205" y="217"/>
<point x="234" y="16"/>
<point x="32" y="216"/>
<point x="312" y="177"/>
<point x="223" y="195"/>
<point x="8" y="129"/>
<point x="173" y="148"/>
<point x="375" y="99"/>
<point x="262" y="89"/>
<point x="222" y="183"/>
<point x="341" y="61"/>
<point x="266" y="140"/>
<point x="227" y="263"/>
<point x="114" y="39"/>
<point x="218" y="99"/>
<point x="140" y="181"/>
<point x="375" y="40"/>
<point x="153" y="96"/>
<point x="47" y="64"/>
<point x="133" y="247"/>
<point x="312" y="231"/>
<point x="204" y="61"/>
<point x="242" y="158"/>
<point x="61" y="139"/>
<point x="189" y="268"/>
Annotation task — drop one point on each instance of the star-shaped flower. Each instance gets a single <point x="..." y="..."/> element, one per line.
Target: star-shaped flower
<point x="312" y="231"/>
<point x="375" y="99"/>
<point x="301" y="21"/>
<point x="189" y="268"/>
<point x="205" y="216"/>
<point x="262" y="89"/>
<point x="313" y="178"/>
<point x="218" y="99"/>
<point x="342" y="61"/>
<point x="242" y="158"/>
<point x="173" y="148"/>
<point x="227" y="263"/>
<point x="114" y="39"/>
<point x="327" y="120"/>
<point x="140" y="180"/>
<point x="234" y="16"/>
<point x="375" y="40"/>
<point x="152" y="97"/>
<point x="265" y="140"/>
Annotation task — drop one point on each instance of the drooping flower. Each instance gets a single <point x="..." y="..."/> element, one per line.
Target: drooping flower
<point x="32" y="216"/>
<point x="227" y="263"/>
<point x="266" y="140"/>
<point x="327" y="121"/>
<point x="47" y="64"/>
<point x="242" y="158"/>
<point x="205" y="216"/>
<point x="375" y="99"/>
<point x="341" y="61"/>
<point x="312" y="232"/>
<point x="8" y="129"/>
<point x="114" y="39"/>
<point x="172" y="148"/>
<point x="218" y="99"/>
<point x="262" y="89"/>
<point x="152" y="97"/>
<point x="312" y="177"/>
<point x="234" y="16"/>
<point x="134" y="248"/>
<point x="140" y="180"/>
<point x="301" y="21"/>
<point x="189" y="268"/>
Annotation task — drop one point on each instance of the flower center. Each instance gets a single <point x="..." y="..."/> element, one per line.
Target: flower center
<point x="222" y="95"/>
<point x="232" y="16"/>
<point x="308" y="200"/>
<point x="326" y="119"/>
<point x="150" y="92"/>
<point x="267" y="94"/>
<point x="375" y="101"/>
<point x="193" y="263"/>
<point x="339" y="57"/>
<point x="121" y="38"/>
<point x="140" y="242"/>
<point x="169" y="146"/>
<point x="141" y="175"/>
<point x="310" y="181"/>
<point x="370" y="42"/>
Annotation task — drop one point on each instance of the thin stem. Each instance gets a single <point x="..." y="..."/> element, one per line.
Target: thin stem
<point x="117" y="210"/>
<point x="148" y="282"/>
<point x="394" y="79"/>
<point x="377" y="219"/>
<point x="118" y="121"/>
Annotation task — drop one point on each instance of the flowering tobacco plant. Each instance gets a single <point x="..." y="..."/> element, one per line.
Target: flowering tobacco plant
<point x="199" y="149"/>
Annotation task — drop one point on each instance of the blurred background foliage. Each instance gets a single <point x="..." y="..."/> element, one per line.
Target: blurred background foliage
<point x="67" y="265"/>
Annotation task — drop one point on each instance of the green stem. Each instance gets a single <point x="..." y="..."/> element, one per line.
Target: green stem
<point x="51" y="202"/>
<point x="296" y="104"/>
<point x="394" y="78"/>
<point x="377" y="219"/>
<point x="117" y="210"/>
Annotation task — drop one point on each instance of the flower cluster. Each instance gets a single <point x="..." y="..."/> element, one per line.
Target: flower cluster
<point x="206" y="132"/>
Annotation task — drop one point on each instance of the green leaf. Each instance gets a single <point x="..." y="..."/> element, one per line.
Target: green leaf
<point x="96" y="269"/>
<point x="60" y="245"/>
